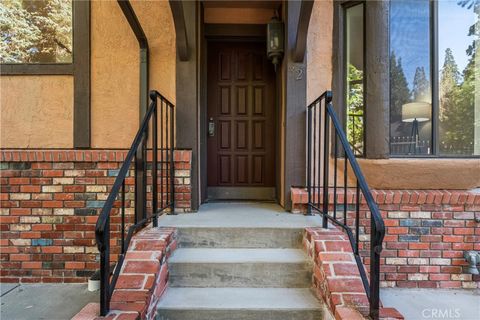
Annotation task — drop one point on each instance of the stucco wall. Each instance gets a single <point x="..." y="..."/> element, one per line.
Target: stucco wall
<point x="422" y="173"/>
<point x="319" y="49"/>
<point x="115" y="67"/>
<point x="36" y="111"/>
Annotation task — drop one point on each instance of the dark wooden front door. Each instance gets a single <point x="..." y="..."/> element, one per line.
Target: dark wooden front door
<point x="241" y="115"/>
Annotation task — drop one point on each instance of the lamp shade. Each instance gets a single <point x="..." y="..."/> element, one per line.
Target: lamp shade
<point x="420" y="111"/>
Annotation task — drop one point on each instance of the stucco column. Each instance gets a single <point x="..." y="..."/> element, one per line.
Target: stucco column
<point x="377" y="89"/>
<point x="187" y="106"/>
<point x="295" y="107"/>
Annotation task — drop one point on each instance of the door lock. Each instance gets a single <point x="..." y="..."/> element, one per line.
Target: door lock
<point x="211" y="127"/>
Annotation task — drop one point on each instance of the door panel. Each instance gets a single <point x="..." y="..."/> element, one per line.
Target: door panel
<point x="241" y="104"/>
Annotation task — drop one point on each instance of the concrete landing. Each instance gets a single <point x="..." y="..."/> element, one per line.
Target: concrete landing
<point x="240" y="215"/>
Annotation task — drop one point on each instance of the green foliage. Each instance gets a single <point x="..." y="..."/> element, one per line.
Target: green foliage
<point x="35" y="31"/>
<point x="355" y="109"/>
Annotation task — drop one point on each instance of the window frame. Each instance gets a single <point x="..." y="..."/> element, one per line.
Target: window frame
<point x="79" y="68"/>
<point x="435" y="79"/>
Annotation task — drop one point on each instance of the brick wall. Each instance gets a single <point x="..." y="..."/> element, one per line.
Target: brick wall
<point x="50" y="201"/>
<point x="427" y="233"/>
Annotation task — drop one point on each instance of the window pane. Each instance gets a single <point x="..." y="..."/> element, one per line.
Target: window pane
<point x="410" y="78"/>
<point x="36" y="31"/>
<point x="354" y="78"/>
<point x="459" y="100"/>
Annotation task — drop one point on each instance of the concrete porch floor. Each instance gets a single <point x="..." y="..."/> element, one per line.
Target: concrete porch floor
<point x="241" y="215"/>
<point x="44" y="301"/>
<point x="416" y="304"/>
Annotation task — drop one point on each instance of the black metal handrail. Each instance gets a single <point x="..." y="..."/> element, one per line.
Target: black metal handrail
<point x="318" y="168"/>
<point x="138" y="148"/>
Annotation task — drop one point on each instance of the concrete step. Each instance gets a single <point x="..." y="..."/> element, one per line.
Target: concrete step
<point x="270" y="268"/>
<point x="218" y="237"/>
<point x="240" y="303"/>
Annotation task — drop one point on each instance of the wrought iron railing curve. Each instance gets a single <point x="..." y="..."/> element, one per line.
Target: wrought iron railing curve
<point x="318" y="181"/>
<point x="138" y="154"/>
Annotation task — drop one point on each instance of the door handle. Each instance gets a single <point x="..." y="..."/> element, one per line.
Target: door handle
<point x="211" y="127"/>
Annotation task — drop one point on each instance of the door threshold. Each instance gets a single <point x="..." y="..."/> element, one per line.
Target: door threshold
<point x="241" y="193"/>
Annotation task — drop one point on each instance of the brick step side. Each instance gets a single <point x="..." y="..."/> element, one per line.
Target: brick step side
<point x="336" y="279"/>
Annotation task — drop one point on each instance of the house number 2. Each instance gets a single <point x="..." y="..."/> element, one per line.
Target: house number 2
<point x="298" y="72"/>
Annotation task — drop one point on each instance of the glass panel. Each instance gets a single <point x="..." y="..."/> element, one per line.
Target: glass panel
<point x="410" y="78"/>
<point x="354" y="77"/>
<point x="459" y="85"/>
<point x="36" y="31"/>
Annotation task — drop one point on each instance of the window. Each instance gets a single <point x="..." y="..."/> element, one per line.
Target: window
<point x="433" y="107"/>
<point x="36" y="31"/>
<point x="354" y="79"/>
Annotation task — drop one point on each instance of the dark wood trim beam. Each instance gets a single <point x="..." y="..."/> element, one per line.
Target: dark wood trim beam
<point x="213" y="30"/>
<point x="81" y="70"/>
<point x="302" y="30"/>
<point x="135" y="25"/>
<point x="36" y="69"/>
<point x="180" y="28"/>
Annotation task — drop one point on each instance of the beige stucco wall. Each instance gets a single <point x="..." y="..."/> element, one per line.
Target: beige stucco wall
<point x="115" y="67"/>
<point x="319" y="49"/>
<point x="422" y="173"/>
<point x="36" y="111"/>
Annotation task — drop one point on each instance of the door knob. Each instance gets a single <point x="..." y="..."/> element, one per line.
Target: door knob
<point x="211" y="127"/>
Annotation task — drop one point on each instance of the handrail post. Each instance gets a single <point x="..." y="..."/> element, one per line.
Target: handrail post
<point x="326" y="147"/>
<point x="105" y="271"/>
<point x="172" y="158"/>
<point x="154" y="161"/>
<point x="140" y="180"/>
<point x="309" y="160"/>
<point x="374" y="271"/>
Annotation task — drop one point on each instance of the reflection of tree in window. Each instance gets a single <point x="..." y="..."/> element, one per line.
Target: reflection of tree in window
<point x="410" y="74"/>
<point x="457" y="93"/>
<point x="355" y="109"/>
<point x="36" y="31"/>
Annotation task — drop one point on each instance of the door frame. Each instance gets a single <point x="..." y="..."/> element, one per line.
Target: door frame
<point x="230" y="33"/>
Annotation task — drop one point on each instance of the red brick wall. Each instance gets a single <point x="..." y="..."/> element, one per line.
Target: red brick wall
<point x="427" y="233"/>
<point x="50" y="201"/>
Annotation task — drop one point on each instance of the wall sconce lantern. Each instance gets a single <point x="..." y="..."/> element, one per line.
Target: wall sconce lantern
<point x="275" y="39"/>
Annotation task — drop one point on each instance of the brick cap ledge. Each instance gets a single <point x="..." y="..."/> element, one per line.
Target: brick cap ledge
<point x="299" y="196"/>
<point x="76" y="155"/>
